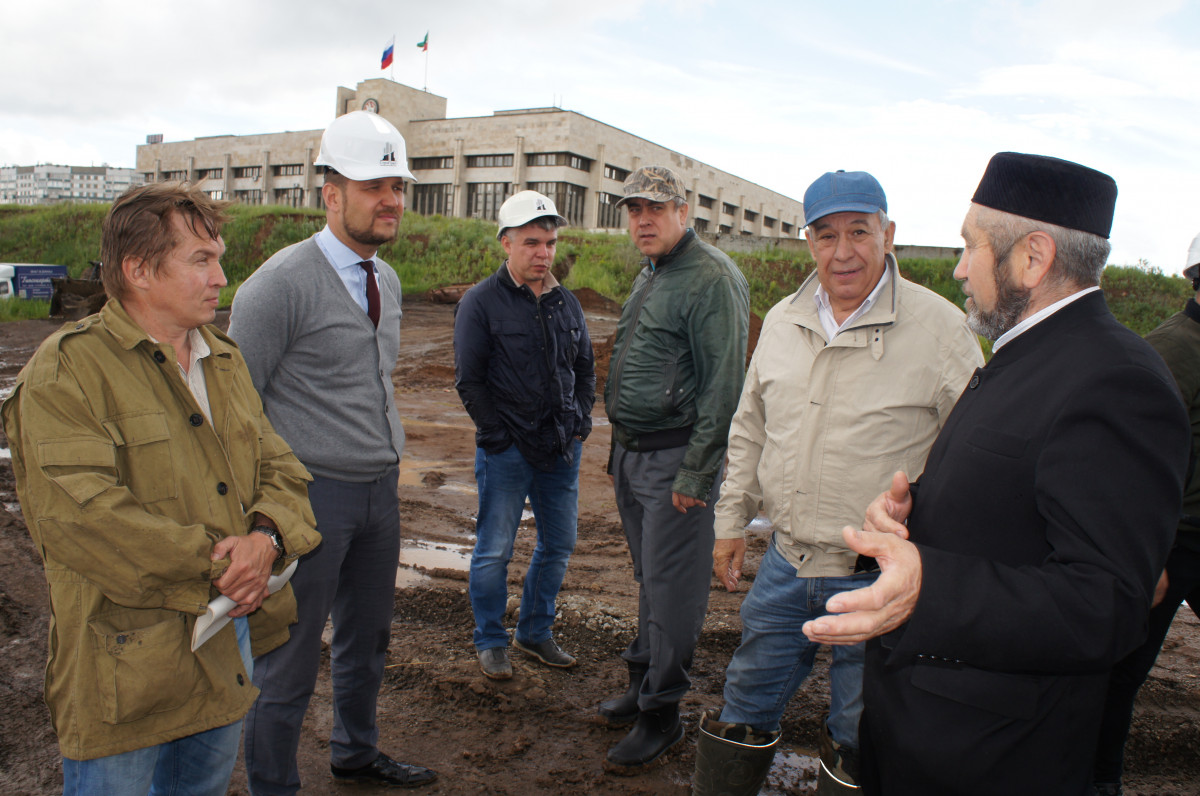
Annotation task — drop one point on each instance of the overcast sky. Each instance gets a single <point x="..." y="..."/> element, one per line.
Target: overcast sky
<point x="920" y="94"/>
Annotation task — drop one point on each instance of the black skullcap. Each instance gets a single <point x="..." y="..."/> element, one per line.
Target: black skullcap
<point x="1049" y="189"/>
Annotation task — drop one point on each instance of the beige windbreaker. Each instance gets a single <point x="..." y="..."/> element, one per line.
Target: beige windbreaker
<point x="821" y="427"/>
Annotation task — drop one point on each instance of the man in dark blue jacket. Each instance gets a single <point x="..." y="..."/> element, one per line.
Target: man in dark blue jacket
<point x="523" y="366"/>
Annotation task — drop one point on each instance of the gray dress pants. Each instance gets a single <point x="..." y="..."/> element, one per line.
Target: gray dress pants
<point x="672" y="563"/>
<point x="353" y="575"/>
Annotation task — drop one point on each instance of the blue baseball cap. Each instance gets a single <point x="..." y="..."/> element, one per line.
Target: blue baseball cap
<point x="843" y="192"/>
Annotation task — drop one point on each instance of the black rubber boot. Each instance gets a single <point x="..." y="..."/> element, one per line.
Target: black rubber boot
<point x="731" y="759"/>
<point x="838" y="775"/>
<point x="624" y="709"/>
<point x="654" y="732"/>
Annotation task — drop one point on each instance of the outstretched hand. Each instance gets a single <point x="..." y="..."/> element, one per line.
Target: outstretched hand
<point x="881" y="607"/>
<point x="888" y="512"/>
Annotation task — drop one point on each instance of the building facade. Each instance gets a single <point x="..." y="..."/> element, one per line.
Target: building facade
<point x="467" y="167"/>
<point x="48" y="184"/>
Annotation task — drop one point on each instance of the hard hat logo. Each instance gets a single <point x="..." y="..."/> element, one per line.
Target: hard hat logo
<point x="364" y="146"/>
<point x="525" y="206"/>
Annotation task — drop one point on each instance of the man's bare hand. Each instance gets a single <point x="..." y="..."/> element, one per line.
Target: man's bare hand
<point x="684" y="502"/>
<point x="879" y="608"/>
<point x="245" y="581"/>
<point x="887" y="513"/>
<point x="728" y="556"/>
<point x="1160" y="589"/>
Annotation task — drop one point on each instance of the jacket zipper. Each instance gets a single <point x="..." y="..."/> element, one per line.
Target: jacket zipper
<point x="637" y="311"/>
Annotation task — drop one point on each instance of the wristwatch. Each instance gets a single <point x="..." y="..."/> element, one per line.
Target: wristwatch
<point x="274" y="536"/>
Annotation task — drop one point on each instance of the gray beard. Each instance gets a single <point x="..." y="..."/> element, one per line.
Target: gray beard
<point x="1011" y="303"/>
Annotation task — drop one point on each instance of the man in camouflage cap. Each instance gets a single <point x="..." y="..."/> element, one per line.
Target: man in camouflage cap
<point x="673" y="384"/>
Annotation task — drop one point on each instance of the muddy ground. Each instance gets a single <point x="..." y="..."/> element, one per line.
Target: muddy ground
<point x="536" y="733"/>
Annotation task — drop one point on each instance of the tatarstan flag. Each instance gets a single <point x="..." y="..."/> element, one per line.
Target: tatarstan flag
<point x="424" y="43"/>
<point x="387" y="53"/>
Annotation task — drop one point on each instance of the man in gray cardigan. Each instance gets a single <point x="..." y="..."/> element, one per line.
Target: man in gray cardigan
<point x="319" y="326"/>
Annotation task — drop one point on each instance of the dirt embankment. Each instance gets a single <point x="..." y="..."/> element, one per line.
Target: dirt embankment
<point x="536" y="733"/>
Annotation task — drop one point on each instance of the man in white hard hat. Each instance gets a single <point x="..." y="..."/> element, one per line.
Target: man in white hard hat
<point x="523" y="366"/>
<point x="1177" y="340"/>
<point x="319" y="325"/>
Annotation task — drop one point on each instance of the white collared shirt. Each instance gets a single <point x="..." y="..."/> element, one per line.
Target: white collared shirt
<point x="1039" y="316"/>
<point x="825" y="309"/>
<point x="345" y="262"/>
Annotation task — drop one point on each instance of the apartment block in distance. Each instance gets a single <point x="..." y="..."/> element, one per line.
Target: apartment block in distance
<point x="48" y="184"/>
<point x="467" y="167"/>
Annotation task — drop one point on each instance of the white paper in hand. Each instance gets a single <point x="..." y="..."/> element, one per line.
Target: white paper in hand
<point x="217" y="615"/>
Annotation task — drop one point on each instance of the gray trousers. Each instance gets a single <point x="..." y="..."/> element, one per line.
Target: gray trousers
<point x="672" y="563"/>
<point x="353" y="575"/>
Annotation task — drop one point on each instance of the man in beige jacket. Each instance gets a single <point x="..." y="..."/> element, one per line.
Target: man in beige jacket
<point x="152" y="483"/>
<point x="851" y="380"/>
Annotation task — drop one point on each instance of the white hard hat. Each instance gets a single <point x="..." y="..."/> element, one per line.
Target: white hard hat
<point x="521" y="208"/>
<point x="364" y="146"/>
<point x="1192" y="266"/>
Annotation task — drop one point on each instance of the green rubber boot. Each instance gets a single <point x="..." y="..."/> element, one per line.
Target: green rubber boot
<point x="838" y="775"/>
<point x="731" y="759"/>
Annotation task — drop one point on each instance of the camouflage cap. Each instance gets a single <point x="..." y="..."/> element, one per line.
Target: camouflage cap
<point x="655" y="183"/>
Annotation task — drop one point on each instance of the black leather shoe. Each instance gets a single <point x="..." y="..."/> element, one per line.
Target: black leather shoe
<point x="495" y="664"/>
<point x="654" y="732"/>
<point x="547" y="652"/>
<point x="383" y="770"/>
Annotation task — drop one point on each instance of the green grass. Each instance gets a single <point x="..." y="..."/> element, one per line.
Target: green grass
<point x="434" y="251"/>
<point x="18" y="309"/>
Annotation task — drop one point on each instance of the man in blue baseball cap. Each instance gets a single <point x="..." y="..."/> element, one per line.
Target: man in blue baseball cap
<point x="853" y="375"/>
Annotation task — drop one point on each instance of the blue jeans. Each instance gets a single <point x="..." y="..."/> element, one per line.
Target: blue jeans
<point x="775" y="656"/>
<point x="504" y="480"/>
<point x="195" y="765"/>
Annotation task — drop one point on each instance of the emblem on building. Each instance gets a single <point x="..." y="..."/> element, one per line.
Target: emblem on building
<point x="371" y="105"/>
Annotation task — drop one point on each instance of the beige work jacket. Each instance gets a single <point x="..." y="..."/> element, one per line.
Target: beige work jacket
<point x="822" y="425"/>
<point x="126" y="487"/>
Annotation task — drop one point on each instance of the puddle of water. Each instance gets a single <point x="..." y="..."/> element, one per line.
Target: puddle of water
<point x="791" y="773"/>
<point x="459" y="488"/>
<point x="5" y="453"/>
<point x="760" y="524"/>
<point x="599" y="421"/>
<point x="420" y="557"/>
<point x="13" y="509"/>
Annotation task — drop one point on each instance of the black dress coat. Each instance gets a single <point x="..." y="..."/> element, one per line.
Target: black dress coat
<point x="1043" y="519"/>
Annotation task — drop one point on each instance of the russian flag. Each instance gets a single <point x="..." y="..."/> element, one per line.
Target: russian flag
<point x="387" y="53"/>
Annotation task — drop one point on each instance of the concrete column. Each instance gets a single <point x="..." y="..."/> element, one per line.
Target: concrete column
<point x="191" y="169"/>
<point x="519" y="165"/>
<point x="758" y="228"/>
<point x="310" y="200"/>
<point x="227" y="173"/>
<point x="268" y="179"/>
<point x="459" y="209"/>
<point x="591" y="199"/>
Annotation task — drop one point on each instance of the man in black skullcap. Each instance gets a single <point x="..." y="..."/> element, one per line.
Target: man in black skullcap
<point x="1021" y="565"/>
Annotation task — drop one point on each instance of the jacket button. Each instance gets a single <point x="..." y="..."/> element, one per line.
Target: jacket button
<point x="241" y="680"/>
<point x="222" y="488"/>
<point x="196" y="419"/>
<point x="120" y="639"/>
<point x="974" y="382"/>
<point x="160" y="357"/>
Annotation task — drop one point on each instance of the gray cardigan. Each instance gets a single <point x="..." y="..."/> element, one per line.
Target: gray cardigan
<point x="323" y="372"/>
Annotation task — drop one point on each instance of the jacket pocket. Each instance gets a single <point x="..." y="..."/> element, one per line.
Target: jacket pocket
<point x="143" y="663"/>
<point x="1000" y="443"/>
<point x="143" y="442"/>
<point x="1013" y="696"/>
<point x="83" y="467"/>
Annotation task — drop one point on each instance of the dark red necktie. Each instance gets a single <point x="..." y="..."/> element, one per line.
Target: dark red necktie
<point x="372" y="292"/>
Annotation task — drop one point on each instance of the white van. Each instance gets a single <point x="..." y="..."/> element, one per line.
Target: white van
<point x="7" y="275"/>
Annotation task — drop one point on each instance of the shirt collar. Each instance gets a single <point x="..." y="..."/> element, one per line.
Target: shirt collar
<point x="825" y="309"/>
<point x="1039" y="316"/>
<point x="339" y="255"/>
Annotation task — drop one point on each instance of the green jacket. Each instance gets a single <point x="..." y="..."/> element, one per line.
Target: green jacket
<point x="1177" y="340"/>
<point x="680" y="356"/>
<point x="126" y="487"/>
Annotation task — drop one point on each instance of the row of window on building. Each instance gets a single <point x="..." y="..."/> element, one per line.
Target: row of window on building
<point x="483" y="198"/>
